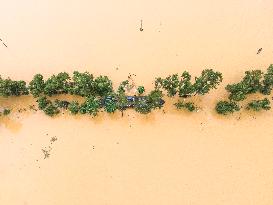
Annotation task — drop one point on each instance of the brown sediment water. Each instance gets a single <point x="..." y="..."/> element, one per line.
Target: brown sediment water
<point x="172" y="157"/>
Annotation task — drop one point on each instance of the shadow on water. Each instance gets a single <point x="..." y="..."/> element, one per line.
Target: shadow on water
<point x="20" y="108"/>
<point x="10" y="124"/>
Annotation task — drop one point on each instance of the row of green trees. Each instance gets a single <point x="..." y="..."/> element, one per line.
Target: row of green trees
<point x="98" y="92"/>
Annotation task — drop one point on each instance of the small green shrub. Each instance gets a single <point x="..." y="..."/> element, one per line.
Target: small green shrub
<point x="90" y="106"/>
<point x="258" y="105"/>
<point x="190" y="106"/>
<point x="74" y="107"/>
<point x="51" y="110"/>
<point x="37" y="85"/>
<point x="140" y="90"/>
<point x="226" y="107"/>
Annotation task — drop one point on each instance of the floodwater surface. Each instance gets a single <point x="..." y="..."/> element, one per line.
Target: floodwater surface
<point x="168" y="157"/>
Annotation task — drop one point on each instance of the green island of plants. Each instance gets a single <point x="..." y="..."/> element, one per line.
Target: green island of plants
<point x="97" y="93"/>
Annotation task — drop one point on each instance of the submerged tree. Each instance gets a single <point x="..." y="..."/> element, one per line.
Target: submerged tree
<point x="62" y="104"/>
<point x="140" y="90"/>
<point x="190" y="106"/>
<point x="37" y="85"/>
<point x="258" y="105"/>
<point x="90" y="106"/>
<point x="74" y="107"/>
<point x="10" y="87"/>
<point x="47" y="106"/>
<point x="267" y="84"/>
<point x="251" y="83"/>
<point x="146" y="104"/>
<point x="57" y="84"/>
<point x="83" y="84"/>
<point x="173" y="84"/>
<point x="208" y="80"/>
<point x="103" y="86"/>
<point x="227" y="107"/>
<point x="254" y="81"/>
<point x="110" y="104"/>
<point x="51" y="109"/>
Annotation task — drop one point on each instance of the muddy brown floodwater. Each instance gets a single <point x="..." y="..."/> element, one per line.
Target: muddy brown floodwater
<point x="163" y="158"/>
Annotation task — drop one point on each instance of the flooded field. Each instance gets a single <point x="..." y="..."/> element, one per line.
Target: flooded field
<point x="165" y="157"/>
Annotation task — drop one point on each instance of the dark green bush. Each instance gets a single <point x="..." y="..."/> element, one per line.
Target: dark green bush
<point x="51" y="110"/>
<point x="251" y="83"/>
<point x="74" y="107"/>
<point x="10" y="87"/>
<point x="103" y="86"/>
<point x="226" y="107"/>
<point x="90" y="106"/>
<point x="110" y="104"/>
<point x="190" y="106"/>
<point x="258" y="105"/>
<point x="140" y="90"/>
<point x="37" y="85"/>
<point x="57" y="84"/>
<point x="208" y="80"/>
<point x="83" y="84"/>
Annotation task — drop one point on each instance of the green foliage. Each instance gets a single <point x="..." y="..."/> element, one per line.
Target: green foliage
<point x="170" y="84"/>
<point x="122" y="86"/>
<point x="190" y="106"/>
<point x="140" y="90"/>
<point x="9" y="87"/>
<point x="251" y="83"/>
<point x="37" y="85"/>
<point x="258" y="105"/>
<point x="121" y="101"/>
<point x="225" y="107"/>
<point x="47" y="106"/>
<point x="62" y="104"/>
<point x="83" y="84"/>
<point x="103" y="86"/>
<point x="154" y="99"/>
<point x="51" y="110"/>
<point x="186" y="88"/>
<point x="74" y="107"/>
<point x="267" y="81"/>
<point x="143" y="106"/>
<point x="110" y="104"/>
<point x="90" y="106"/>
<point x="43" y="102"/>
<point x="57" y="84"/>
<point x="208" y="80"/>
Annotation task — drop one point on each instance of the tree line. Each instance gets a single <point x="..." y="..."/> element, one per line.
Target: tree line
<point x="98" y="92"/>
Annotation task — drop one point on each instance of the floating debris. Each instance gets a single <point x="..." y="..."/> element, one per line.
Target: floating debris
<point x="141" y="28"/>
<point x="46" y="153"/>
<point x="53" y="139"/>
<point x="259" y="51"/>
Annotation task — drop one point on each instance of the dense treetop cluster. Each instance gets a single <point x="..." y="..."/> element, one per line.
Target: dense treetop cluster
<point x="254" y="81"/>
<point x="97" y="93"/>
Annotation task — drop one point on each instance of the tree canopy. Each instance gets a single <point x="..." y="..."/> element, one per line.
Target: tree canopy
<point x="98" y="94"/>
